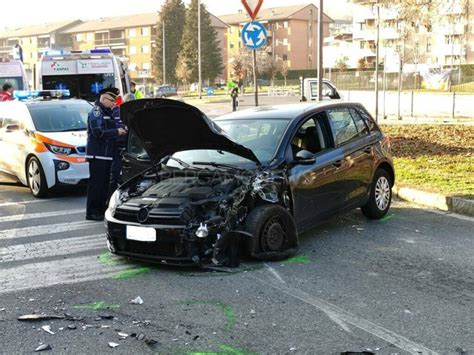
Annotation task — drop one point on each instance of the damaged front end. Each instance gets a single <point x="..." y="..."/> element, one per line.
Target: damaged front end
<point x="193" y="217"/>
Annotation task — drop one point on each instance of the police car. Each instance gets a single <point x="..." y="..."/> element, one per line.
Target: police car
<point x="43" y="139"/>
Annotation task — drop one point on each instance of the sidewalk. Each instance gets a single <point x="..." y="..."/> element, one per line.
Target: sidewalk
<point x="441" y="202"/>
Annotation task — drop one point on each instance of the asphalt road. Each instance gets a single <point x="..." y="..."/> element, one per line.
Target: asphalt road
<point x="401" y="285"/>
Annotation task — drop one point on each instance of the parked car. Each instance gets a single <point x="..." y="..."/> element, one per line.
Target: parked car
<point x="42" y="141"/>
<point x="310" y="87"/>
<point x="253" y="180"/>
<point x="166" y="91"/>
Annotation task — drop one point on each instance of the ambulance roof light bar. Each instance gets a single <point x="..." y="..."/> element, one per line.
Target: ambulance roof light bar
<point x="43" y="94"/>
<point x="58" y="53"/>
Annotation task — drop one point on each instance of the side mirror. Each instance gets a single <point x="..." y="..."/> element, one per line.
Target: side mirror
<point x="12" y="128"/>
<point x="143" y="157"/>
<point x="305" y="157"/>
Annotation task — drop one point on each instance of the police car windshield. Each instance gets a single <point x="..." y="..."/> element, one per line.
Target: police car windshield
<point x="61" y="116"/>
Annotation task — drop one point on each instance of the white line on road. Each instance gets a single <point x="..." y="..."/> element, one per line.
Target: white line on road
<point x="19" y="217"/>
<point x="60" y="272"/>
<point x="347" y="317"/>
<point x="51" y="248"/>
<point x="34" y="231"/>
<point x="275" y="273"/>
<point x="15" y="203"/>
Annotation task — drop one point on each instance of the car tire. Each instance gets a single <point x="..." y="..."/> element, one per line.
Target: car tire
<point x="36" y="178"/>
<point x="274" y="233"/>
<point x="380" y="196"/>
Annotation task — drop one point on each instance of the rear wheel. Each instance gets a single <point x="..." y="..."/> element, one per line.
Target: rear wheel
<point x="380" y="196"/>
<point x="36" y="179"/>
<point x="274" y="232"/>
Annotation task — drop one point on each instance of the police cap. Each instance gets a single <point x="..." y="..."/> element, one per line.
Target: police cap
<point x="111" y="91"/>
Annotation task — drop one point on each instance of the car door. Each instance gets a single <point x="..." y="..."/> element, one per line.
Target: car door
<point x="134" y="159"/>
<point x="315" y="187"/>
<point x="13" y="143"/>
<point x="357" y="150"/>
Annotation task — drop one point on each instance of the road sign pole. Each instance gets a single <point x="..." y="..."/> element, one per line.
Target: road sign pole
<point x="255" y="76"/>
<point x="199" y="50"/>
<point x="320" y="50"/>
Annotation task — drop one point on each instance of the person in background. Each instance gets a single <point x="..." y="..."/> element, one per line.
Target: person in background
<point x="137" y="93"/>
<point x="102" y="133"/>
<point x="7" y="92"/>
<point x="121" y="144"/>
<point x="234" y="94"/>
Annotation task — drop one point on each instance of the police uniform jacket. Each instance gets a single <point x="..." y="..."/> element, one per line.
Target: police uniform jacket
<point x="102" y="133"/>
<point x="121" y="140"/>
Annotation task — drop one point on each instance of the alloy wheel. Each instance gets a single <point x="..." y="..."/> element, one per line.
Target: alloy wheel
<point x="382" y="193"/>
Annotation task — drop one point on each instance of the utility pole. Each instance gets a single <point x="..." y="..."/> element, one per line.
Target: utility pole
<point x="164" y="52"/>
<point x="199" y="49"/>
<point x="255" y="84"/>
<point x="320" y="50"/>
<point x="377" y="40"/>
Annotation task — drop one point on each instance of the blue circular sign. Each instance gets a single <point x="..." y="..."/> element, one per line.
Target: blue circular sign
<point x="96" y="87"/>
<point x="210" y="91"/>
<point x="254" y="35"/>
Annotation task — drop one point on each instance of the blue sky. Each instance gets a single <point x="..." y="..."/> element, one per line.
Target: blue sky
<point x="34" y="11"/>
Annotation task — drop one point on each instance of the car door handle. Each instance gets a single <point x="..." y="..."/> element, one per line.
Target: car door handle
<point x="368" y="150"/>
<point x="337" y="163"/>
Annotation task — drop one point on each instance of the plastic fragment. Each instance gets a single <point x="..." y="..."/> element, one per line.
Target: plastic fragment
<point x="113" y="345"/>
<point x="47" y="329"/>
<point x="43" y="347"/>
<point x="137" y="300"/>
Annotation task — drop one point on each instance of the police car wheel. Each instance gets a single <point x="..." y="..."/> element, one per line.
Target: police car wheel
<point x="36" y="179"/>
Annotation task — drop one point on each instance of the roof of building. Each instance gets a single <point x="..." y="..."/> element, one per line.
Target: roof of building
<point x="110" y="23"/>
<point x="272" y="13"/>
<point x="40" y="29"/>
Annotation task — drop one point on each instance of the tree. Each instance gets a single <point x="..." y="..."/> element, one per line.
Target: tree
<point x="341" y="64"/>
<point x="284" y="69"/>
<point x="361" y="64"/>
<point x="211" y="57"/>
<point x="172" y="12"/>
<point x="183" y="73"/>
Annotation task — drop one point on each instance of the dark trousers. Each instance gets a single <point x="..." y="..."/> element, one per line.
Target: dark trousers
<point x="116" y="172"/>
<point x="98" y="187"/>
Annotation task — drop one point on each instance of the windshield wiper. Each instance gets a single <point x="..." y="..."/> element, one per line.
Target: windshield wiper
<point x="182" y="163"/>
<point x="73" y="130"/>
<point x="219" y="165"/>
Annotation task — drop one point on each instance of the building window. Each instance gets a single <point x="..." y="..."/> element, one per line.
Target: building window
<point x="285" y="57"/>
<point x="285" y="41"/>
<point x="398" y="48"/>
<point x="89" y="37"/>
<point x="146" y="66"/>
<point x="79" y="37"/>
<point x="285" y="24"/>
<point x="132" y="32"/>
<point x="428" y="46"/>
<point x="145" y="31"/>
<point x="133" y="50"/>
<point x="361" y="45"/>
<point x="145" y="49"/>
<point x="231" y="45"/>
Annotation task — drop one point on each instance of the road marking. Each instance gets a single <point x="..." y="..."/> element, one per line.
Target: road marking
<point x="60" y="272"/>
<point x="19" y="217"/>
<point x="34" y="231"/>
<point x="338" y="313"/>
<point x="51" y="248"/>
<point x="7" y="204"/>
<point x="275" y="273"/>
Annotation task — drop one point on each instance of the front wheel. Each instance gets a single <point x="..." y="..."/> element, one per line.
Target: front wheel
<point x="36" y="179"/>
<point x="380" y="196"/>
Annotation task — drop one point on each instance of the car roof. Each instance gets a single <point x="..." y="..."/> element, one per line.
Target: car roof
<point x="53" y="102"/>
<point x="288" y="112"/>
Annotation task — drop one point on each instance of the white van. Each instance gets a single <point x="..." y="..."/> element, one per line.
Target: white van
<point x="310" y="87"/>
<point x="83" y="73"/>
<point x="13" y="72"/>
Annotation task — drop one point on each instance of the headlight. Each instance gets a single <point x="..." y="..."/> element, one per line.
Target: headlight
<point x="114" y="201"/>
<point x="56" y="149"/>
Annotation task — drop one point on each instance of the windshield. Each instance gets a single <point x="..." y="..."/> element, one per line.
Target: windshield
<point x="17" y="82"/>
<point x="261" y="136"/>
<point x="82" y="86"/>
<point x="60" y="117"/>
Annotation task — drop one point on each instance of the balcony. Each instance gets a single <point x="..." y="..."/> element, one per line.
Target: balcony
<point x="366" y="52"/>
<point x="456" y="49"/>
<point x="364" y="35"/>
<point x="115" y="41"/>
<point x="389" y="33"/>
<point x="455" y="29"/>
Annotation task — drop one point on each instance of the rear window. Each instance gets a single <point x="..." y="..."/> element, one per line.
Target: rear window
<point x="60" y="117"/>
<point x="343" y="125"/>
<point x="17" y="82"/>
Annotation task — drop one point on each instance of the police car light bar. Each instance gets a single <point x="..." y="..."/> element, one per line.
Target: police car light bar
<point x="32" y="94"/>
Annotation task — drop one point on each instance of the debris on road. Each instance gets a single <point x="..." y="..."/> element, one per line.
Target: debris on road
<point x="47" y="329"/>
<point x="71" y="327"/>
<point x="141" y="336"/>
<point x="137" y="300"/>
<point x="113" y="345"/>
<point x="123" y="335"/>
<point x="38" y="317"/>
<point x="43" y="347"/>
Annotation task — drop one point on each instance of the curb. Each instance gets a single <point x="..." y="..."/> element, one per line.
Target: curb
<point x="441" y="202"/>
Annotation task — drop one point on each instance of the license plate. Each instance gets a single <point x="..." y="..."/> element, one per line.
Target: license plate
<point x="141" y="234"/>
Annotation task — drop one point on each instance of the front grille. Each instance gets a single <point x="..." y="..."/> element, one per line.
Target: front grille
<point x="156" y="216"/>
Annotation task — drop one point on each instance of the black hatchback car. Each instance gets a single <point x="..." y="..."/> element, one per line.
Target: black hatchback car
<point x="204" y="191"/>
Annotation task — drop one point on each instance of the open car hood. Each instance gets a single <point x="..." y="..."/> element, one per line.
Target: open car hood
<point x="169" y="126"/>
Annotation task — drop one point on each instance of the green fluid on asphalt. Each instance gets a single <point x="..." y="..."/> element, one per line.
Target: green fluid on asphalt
<point x="303" y="259"/>
<point x="130" y="273"/>
<point x="226" y="309"/>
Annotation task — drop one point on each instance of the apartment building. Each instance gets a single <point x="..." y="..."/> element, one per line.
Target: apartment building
<point x="292" y="33"/>
<point x="449" y="39"/>
<point x="129" y="37"/>
<point x="35" y="40"/>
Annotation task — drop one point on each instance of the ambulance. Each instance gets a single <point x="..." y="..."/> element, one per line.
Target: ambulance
<point x="13" y="72"/>
<point x="83" y="73"/>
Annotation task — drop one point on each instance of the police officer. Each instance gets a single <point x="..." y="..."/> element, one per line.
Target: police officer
<point x="102" y="133"/>
<point x="116" y="170"/>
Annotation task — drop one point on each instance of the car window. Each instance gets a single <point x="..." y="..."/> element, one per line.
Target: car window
<point x="360" y="123"/>
<point x="63" y="117"/>
<point x="313" y="136"/>
<point x="368" y="119"/>
<point x="135" y="146"/>
<point x="10" y="122"/>
<point x="343" y="125"/>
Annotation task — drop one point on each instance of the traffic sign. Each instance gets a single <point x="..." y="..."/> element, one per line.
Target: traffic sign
<point x="254" y="35"/>
<point x="210" y="91"/>
<point x="252" y="7"/>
